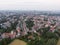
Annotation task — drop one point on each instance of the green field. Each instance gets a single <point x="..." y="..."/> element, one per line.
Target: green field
<point x="58" y="42"/>
<point x="18" y="42"/>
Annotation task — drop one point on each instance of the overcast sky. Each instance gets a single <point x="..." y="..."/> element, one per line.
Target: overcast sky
<point x="29" y="4"/>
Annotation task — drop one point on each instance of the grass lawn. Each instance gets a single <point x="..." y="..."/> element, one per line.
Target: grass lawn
<point x="18" y="42"/>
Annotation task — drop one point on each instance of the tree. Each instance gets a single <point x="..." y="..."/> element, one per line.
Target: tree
<point x="29" y="24"/>
<point x="51" y="42"/>
<point x="50" y="35"/>
<point x="13" y="25"/>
